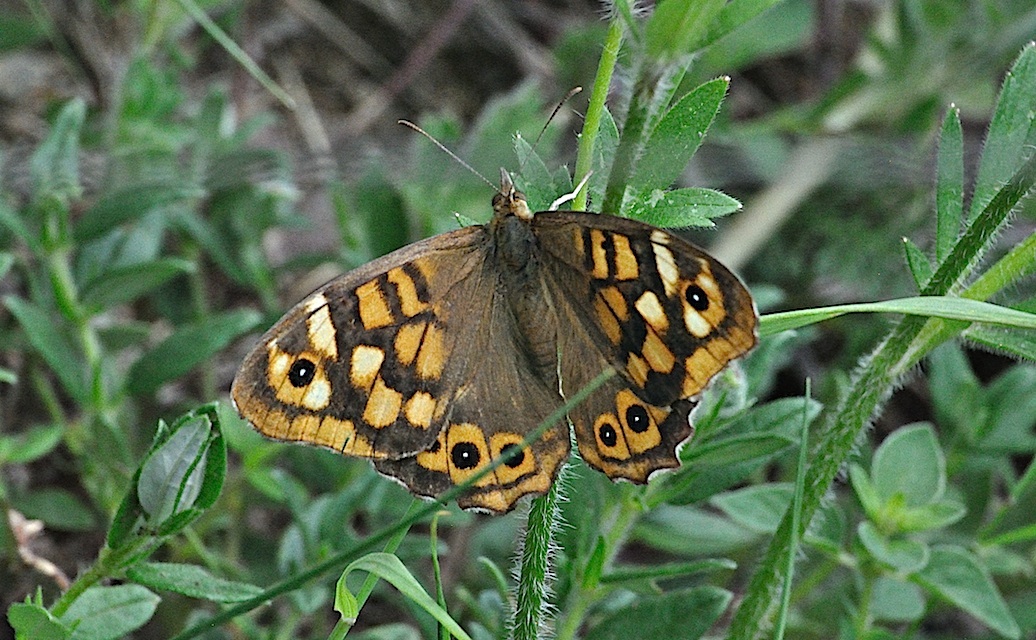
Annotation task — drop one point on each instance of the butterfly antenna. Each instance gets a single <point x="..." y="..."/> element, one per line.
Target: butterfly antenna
<point x="453" y="155"/>
<point x="568" y="96"/>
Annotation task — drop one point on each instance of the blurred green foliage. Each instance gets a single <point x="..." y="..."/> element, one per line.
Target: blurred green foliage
<point x="129" y="296"/>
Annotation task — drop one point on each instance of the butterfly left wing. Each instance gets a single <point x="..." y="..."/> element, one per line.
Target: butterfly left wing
<point x="661" y="311"/>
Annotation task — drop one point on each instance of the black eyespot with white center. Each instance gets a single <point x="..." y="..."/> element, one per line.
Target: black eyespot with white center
<point x="516" y="458"/>
<point x="608" y="435"/>
<point x="464" y="455"/>
<point x="637" y="418"/>
<point x="301" y="373"/>
<point x="696" y="297"/>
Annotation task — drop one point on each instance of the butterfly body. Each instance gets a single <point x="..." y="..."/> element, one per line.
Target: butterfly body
<point x="441" y="356"/>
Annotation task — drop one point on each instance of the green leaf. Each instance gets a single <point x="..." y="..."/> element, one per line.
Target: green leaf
<point x="32" y="621"/>
<point x="764" y="432"/>
<point x="946" y="307"/>
<point x="905" y="556"/>
<point x="595" y="565"/>
<point x="171" y="476"/>
<point x="125" y="284"/>
<point x="949" y="185"/>
<point x="1011" y="133"/>
<point x="689" y="530"/>
<point x="30" y="445"/>
<point x="918" y="263"/>
<point x="910" y="463"/>
<point x="955" y="574"/>
<point x="733" y="15"/>
<point x="930" y="516"/>
<point x="668" y="570"/>
<point x="679" y="27"/>
<point x="107" y="613"/>
<point x="186" y="348"/>
<point x="691" y="207"/>
<point x="1019" y="344"/>
<point x="389" y="568"/>
<point x="677" y="136"/>
<point x="58" y="508"/>
<point x="685" y="614"/>
<point x="759" y="508"/>
<point x="893" y="600"/>
<point x="130" y="203"/>
<point x="45" y="332"/>
<point x="865" y="490"/>
<point x="55" y="165"/>
<point x="192" y="581"/>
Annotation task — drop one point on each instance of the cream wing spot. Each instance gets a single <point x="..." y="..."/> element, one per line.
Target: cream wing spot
<point x="665" y="263"/>
<point x="651" y="310"/>
<point x="383" y="405"/>
<point x="366" y="362"/>
<point x="419" y="409"/>
<point x="318" y="394"/>
<point x="321" y="330"/>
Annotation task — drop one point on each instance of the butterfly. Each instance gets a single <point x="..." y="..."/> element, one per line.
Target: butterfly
<point x="436" y="359"/>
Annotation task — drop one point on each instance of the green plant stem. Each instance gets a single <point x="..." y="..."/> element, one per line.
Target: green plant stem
<point x="109" y="562"/>
<point x="872" y="383"/>
<point x="595" y="108"/>
<point x="534" y="568"/>
<point x="654" y="87"/>
<point x="1019" y="262"/>
<point x="342" y="558"/>
<point x="583" y="596"/>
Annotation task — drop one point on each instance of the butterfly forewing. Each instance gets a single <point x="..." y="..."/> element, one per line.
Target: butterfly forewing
<point x="363" y="364"/>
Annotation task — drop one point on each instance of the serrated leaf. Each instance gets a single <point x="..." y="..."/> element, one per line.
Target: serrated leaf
<point x="44" y="330"/>
<point x="679" y="208"/>
<point x="1011" y="132"/>
<point x="126" y="284"/>
<point x="604" y="152"/>
<point x="685" y="614"/>
<point x="186" y="348"/>
<point x="107" y="613"/>
<point x="677" y="136"/>
<point x="33" y="622"/>
<point x="192" y="581"/>
<point x="949" y="185"/>
<point x="389" y="568"/>
<point x="955" y="574"/>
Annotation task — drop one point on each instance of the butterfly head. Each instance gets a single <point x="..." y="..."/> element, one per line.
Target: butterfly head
<point x="509" y="201"/>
